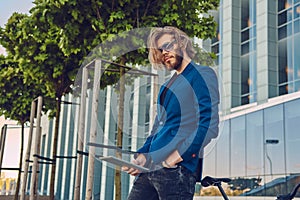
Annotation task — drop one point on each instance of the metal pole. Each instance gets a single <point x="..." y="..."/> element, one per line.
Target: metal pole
<point x="80" y="136"/>
<point x="35" y="166"/>
<point x="93" y="132"/>
<point x="27" y="156"/>
<point x="2" y="144"/>
<point x="118" y="185"/>
<point x="222" y="191"/>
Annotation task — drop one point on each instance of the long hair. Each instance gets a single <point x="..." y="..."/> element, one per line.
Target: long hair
<point x="180" y="37"/>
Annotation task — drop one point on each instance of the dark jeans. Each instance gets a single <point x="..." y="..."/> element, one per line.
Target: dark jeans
<point x="164" y="184"/>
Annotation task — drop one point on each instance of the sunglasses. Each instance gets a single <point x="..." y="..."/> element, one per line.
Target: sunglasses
<point x="168" y="46"/>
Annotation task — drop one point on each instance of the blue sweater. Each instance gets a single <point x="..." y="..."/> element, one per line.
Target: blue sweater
<point x="186" y="119"/>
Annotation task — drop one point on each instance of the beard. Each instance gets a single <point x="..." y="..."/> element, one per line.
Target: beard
<point x="177" y="63"/>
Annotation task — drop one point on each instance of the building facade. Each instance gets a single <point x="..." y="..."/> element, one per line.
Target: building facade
<point x="258" y="62"/>
<point x="258" y="59"/>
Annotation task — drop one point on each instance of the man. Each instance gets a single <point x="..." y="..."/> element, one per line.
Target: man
<point x="187" y="113"/>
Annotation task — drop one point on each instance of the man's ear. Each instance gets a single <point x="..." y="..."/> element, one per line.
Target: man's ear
<point x="183" y="43"/>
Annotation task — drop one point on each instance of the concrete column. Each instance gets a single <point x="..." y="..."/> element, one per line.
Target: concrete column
<point x="231" y="54"/>
<point x="266" y="50"/>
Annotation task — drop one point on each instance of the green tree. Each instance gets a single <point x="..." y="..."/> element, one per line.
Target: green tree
<point x="15" y="100"/>
<point x="32" y="42"/>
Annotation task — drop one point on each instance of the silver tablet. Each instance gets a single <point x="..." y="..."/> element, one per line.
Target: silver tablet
<point x="120" y="162"/>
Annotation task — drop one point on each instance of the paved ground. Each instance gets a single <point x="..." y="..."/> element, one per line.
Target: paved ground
<point x="11" y="197"/>
<point x="237" y="198"/>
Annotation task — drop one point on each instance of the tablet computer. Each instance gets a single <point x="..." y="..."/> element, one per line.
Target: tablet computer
<point x="120" y="162"/>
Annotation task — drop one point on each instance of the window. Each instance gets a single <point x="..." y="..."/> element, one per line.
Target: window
<point x="238" y="147"/>
<point x="254" y="146"/>
<point x="274" y="129"/>
<point x="245" y="22"/>
<point x="248" y="51"/>
<point x="292" y="118"/>
<point x="288" y="50"/>
<point x="222" y="150"/>
<point x="297" y="11"/>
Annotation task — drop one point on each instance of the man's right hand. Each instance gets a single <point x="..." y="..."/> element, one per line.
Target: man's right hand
<point x="140" y="160"/>
<point x="173" y="159"/>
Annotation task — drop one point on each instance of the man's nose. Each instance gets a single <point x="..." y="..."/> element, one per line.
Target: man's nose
<point x="164" y="51"/>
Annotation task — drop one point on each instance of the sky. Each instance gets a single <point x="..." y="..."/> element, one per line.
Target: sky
<point x="12" y="145"/>
<point x="8" y="7"/>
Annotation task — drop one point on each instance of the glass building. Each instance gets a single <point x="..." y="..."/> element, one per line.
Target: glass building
<point x="258" y="61"/>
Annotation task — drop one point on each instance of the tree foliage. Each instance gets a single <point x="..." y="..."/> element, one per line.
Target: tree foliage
<point x="16" y="95"/>
<point x="15" y="101"/>
<point x="51" y="43"/>
<point x="82" y="25"/>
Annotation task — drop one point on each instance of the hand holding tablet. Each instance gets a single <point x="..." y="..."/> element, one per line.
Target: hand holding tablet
<point x="124" y="163"/>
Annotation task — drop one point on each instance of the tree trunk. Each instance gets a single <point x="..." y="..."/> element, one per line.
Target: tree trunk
<point x="54" y="151"/>
<point x="120" y="133"/>
<point x="27" y="155"/>
<point x="20" y="163"/>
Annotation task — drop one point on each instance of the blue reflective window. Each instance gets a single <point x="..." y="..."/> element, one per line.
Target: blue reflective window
<point x="284" y="4"/>
<point x="281" y="5"/>
<point x="245" y="48"/>
<point x="282" y="18"/>
<point x="297" y="26"/>
<point x="282" y="32"/>
<point x="253" y="45"/>
<point x="297" y="11"/>
<point x="238" y="162"/>
<point x="297" y="86"/>
<point x="253" y="31"/>
<point x="282" y="61"/>
<point x="283" y="89"/>
<point x="245" y="74"/>
<point x="254" y="143"/>
<point x="290" y="66"/>
<point x="285" y="17"/>
<point x="289" y="14"/>
<point x="292" y="118"/>
<point x="245" y="22"/>
<point x="274" y="129"/>
<point x="245" y="35"/>
<point x="253" y="11"/>
<point x="245" y="99"/>
<point x="289" y="29"/>
<point x="297" y="57"/>
<point x="209" y="166"/>
<point x="222" y="147"/>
